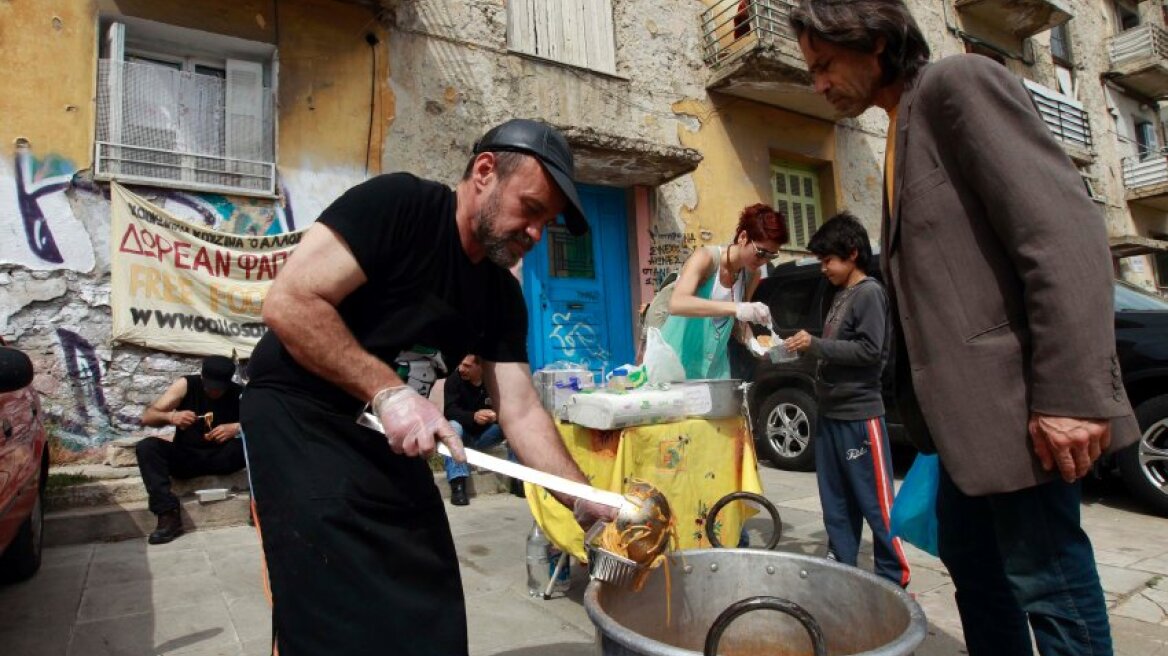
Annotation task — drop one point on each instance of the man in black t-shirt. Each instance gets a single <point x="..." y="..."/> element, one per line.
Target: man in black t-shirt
<point x="204" y="411"/>
<point x="358" y="548"/>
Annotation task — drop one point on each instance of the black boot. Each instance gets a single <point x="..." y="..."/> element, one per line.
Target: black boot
<point x="517" y="488"/>
<point x="458" y="492"/>
<point x="169" y="527"/>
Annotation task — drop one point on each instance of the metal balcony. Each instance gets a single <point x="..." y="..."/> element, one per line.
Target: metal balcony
<point x="1008" y="22"/>
<point x="1146" y="179"/>
<point x="1139" y="60"/>
<point x="754" y="54"/>
<point x="1066" y="119"/>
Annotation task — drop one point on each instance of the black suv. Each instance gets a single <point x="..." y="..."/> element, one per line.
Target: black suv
<point x="782" y="398"/>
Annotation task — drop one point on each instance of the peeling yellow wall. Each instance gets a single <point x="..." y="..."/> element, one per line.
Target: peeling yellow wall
<point x="325" y="86"/>
<point x="47" y="53"/>
<point x="738" y="140"/>
<point x="325" y="83"/>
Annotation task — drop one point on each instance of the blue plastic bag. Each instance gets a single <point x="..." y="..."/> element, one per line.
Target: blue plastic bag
<point x="914" y="512"/>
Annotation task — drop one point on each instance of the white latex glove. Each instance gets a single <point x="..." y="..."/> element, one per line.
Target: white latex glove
<point x="588" y="513"/>
<point x="412" y="423"/>
<point x="754" y="313"/>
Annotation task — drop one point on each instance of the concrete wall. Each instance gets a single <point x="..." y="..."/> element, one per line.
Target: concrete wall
<point x="54" y="221"/>
<point x="452" y="77"/>
<point x="438" y="74"/>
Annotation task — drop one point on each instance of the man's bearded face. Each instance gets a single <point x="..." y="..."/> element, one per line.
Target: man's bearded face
<point x="503" y="248"/>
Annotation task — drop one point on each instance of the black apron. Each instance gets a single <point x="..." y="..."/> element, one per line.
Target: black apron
<point x="356" y="539"/>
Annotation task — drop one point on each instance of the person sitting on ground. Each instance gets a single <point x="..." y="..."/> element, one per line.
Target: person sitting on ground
<point x="468" y="408"/>
<point x="204" y="410"/>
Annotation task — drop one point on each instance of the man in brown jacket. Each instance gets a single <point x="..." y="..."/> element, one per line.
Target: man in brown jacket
<point x="999" y="277"/>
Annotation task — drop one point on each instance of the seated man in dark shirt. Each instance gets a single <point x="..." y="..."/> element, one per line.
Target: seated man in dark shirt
<point x="204" y="410"/>
<point x="468" y="408"/>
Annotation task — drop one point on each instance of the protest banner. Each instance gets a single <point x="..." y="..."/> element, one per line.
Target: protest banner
<point x="184" y="288"/>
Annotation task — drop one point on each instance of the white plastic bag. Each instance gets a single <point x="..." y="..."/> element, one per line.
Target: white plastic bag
<point x="662" y="365"/>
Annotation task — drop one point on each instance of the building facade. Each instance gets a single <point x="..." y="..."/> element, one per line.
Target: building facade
<point x="250" y="116"/>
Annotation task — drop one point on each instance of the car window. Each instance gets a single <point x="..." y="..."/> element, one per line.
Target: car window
<point x="791" y="303"/>
<point x="1129" y="298"/>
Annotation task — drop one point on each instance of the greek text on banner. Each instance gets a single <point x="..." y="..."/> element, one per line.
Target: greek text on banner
<point x="184" y="288"/>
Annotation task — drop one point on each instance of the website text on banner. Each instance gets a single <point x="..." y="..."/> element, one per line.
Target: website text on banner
<point x="181" y="287"/>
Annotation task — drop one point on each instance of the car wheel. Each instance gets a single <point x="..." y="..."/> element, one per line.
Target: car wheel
<point x="22" y="558"/>
<point x="784" y="427"/>
<point x="1144" y="465"/>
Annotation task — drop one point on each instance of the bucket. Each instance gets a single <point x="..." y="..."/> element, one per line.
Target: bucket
<point x="722" y="602"/>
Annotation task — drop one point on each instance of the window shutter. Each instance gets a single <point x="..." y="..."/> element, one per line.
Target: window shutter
<point x="577" y="32"/>
<point x="116" y="54"/>
<point x="796" y="193"/>
<point x="521" y="25"/>
<point x="245" y="110"/>
<point x="598" y="29"/>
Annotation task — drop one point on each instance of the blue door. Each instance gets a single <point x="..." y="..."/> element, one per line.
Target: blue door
<point x="577" y="288"/>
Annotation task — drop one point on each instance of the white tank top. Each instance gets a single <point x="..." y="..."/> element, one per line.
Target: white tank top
<point x="720" y="292"/>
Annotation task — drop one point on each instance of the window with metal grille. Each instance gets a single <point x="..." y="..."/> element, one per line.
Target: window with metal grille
<point x="796" y="193"/>
<point x="1060" y="43"/>
<point x="569" y="256"/>
<point x="576" y="32"/>
<point x="178" y="108"/>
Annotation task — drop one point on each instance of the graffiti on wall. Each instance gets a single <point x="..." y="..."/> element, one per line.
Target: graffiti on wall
<point x="40" y="230"/>
<point x="576" y="339"/>
<point x="91" y="422"/>
<point x="238" y="216"/>
<point x="668" y="250"/>
<point x="48" y="208"/>
<point x="37" y="223"/>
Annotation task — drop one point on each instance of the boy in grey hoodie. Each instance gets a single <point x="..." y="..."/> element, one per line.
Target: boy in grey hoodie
<point x="852" y="460"/>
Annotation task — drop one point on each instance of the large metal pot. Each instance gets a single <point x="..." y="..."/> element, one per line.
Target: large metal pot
<point x="855" y="611"/>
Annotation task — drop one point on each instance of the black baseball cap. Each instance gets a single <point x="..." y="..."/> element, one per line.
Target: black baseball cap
<point x="217" y="372"/>
<point x="546" y="144"/>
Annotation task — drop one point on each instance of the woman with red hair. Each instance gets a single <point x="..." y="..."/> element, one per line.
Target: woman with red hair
<point x="710" y="299"/>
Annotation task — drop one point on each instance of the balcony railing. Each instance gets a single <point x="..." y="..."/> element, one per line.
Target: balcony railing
<point x="1148" y="41"/>
<point x="1139" y="60"/>
<point x="1065" y="117"/>
<point x="1141" y="173"/>
<point x="728" y="30"/>
<point x="753" y="54"/>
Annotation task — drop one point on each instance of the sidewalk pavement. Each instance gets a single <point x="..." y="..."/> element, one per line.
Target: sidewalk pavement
<point x="202" y="594"/>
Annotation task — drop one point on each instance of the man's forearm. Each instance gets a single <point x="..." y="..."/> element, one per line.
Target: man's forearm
<point x="537" y="444"/>
<point x="154" y="418"/>
<point x="326" y="347"/>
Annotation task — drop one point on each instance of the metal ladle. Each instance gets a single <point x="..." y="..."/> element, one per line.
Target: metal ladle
<point x="642" y="509"/>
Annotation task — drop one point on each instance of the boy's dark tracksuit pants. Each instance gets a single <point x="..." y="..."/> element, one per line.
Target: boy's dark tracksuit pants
<point x="854" y="469"/>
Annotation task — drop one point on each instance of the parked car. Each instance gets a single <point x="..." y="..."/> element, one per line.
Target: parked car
<point x="24" y="468"/>
<point x="782" y="399"/>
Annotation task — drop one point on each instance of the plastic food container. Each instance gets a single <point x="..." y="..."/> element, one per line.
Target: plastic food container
<point x="211" y="494"/>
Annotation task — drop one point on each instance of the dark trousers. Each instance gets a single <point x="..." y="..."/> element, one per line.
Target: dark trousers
<point x="1020" y="561"/>
<point x="159" y="460"/>
<point x="853" y="467"/>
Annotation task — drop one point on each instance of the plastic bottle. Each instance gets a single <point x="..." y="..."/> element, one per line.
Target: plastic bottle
<point x="538" y="572"/>
<point x="564" y="577"/>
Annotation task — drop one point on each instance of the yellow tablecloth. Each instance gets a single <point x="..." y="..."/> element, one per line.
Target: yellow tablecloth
<point x="695" y="462"/>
